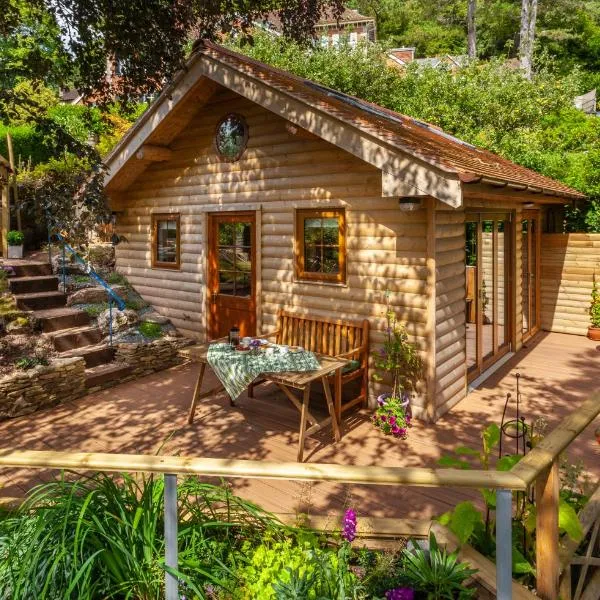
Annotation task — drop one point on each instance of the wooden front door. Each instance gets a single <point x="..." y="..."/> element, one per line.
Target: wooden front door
<point x="530" y="257"/>
<point x="232" y="273"/>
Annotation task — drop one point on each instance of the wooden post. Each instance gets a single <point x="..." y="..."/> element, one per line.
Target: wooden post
<point x="547" y="558"/>
<point x="4" y="211"/>
<point x="11" y="160"/>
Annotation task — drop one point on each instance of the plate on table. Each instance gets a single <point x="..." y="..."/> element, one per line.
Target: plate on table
<point x="296" y="349"/>
<point x="242" y="349"/>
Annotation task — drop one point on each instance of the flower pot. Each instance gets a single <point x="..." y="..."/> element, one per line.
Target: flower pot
<point x="594" y="333"/>
<point x="15" y="251"/>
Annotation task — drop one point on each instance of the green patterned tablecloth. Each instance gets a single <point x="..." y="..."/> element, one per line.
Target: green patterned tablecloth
<point x="237" y="370"/>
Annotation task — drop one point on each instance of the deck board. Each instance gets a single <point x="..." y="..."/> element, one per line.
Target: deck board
<point x="558" y="372"/>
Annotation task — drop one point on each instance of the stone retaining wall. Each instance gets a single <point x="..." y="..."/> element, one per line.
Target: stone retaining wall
<point x="63" y="380"/>
<point x="25" y="392"/>
<point x="149" y="358"/>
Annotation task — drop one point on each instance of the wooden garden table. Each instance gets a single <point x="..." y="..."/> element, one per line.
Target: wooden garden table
<point x="288" y="383"/>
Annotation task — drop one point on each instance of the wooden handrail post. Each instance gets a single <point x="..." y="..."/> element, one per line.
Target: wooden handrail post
<point x="547" y="557"/>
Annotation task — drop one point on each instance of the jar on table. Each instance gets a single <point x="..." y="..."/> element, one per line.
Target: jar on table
<point x="234" y="336"/>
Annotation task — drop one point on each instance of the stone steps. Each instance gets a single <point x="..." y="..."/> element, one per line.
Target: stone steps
<point x="69" y="339"/>
<point x="24" y="268"/>
<point x="104" y="374"/>
<point x="94" y="356"/>
<point x="33" y="284"/>
<point x="40" y="300"/>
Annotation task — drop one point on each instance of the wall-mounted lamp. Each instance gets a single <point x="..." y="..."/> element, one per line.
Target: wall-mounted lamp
<point x="529" y="205"/>
<point x="408" y="204"/>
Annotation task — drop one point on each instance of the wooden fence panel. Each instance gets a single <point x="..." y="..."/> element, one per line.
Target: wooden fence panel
<point x="569" y="262"/>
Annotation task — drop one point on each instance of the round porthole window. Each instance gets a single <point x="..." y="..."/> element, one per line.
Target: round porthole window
<point x="231" y="137"/>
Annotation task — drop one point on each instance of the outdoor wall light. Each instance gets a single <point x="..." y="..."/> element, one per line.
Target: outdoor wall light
<point x="529" y="205"/>
<point x="408" y="204"/>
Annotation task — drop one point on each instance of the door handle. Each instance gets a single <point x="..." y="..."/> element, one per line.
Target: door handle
<point x="214" y="297"/>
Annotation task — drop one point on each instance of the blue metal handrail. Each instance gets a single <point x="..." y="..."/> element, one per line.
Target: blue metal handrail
<point x="112" y="295"/>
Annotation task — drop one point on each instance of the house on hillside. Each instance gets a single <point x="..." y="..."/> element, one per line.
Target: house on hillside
<point x="244" y="189"/>
<point x="351" y="27"/>
<point x="402" y="57"/>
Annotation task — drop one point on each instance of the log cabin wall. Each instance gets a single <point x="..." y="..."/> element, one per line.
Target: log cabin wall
<point x="569" y="263"/>
<point x="450" y="350"/>
<point x="278" y="173"/>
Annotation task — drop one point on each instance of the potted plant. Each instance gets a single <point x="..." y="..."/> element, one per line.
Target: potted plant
<point x="594" y="328"/>
<point x="15" y="244"/>
<point x="399" y="359"/>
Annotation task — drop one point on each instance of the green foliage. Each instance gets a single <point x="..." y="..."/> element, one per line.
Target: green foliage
<point x="102" y="537"/>
<point x="398" y="357"/>
<point x="150" y="330"/>
<point x="298" y="567"/>
<point x="595" y="305"/>
<point x="437" y="573"/>
<point x="15" y="238"/>
<point x="78" y="120"/>
<point x="488" y="104"/>
<point x="28" y="143"/>
<point x="93" y="310"/>
<point x="26" y="363"/>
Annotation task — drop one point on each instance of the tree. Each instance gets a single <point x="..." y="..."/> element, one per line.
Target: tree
<point x="148" y="39"/>
<point x="527" y="36"/>
<point x="472" y="29"/>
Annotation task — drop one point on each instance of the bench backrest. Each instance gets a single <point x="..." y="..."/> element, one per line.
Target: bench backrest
<point x="326" y="336"/>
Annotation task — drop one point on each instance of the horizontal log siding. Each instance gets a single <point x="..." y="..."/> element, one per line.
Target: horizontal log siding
<point x="450" y="348"/>
<point x="569" y="262"/>
<point x="278" y="173"/>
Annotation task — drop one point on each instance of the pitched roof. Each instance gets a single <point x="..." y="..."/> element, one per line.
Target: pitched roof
<point x="407" y="134"/>
<point x="403" y="135"/>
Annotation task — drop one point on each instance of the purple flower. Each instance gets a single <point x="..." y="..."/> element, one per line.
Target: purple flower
<point x="349" y="525"/>
<point x="383" y="418"/>
<point x="403" y="593"/>
<point x="254" y="344"/>
<point x="392" y="420"/>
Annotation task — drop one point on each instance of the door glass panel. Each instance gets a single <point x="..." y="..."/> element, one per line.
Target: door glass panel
<point x="471" y="293"/>
<point x="234" y="256"/>
<point x="503" y="279"/>
<point x="533" y="272"/>
<point x="487" y="287"/>
<point x="525" y="277"/>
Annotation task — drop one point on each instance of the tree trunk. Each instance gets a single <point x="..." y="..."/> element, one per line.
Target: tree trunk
<point x="527" y="35"/>
<point x="472" y="29"/>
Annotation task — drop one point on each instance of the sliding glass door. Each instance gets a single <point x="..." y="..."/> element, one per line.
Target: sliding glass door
<point x="530" y="267"/>
<point x="488" y="285"/>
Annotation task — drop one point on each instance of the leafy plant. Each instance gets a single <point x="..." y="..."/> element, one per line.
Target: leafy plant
<point x="93" y="310"/>
<point x="150" y="330"/>
<point x="437" y="573"/>
<point x="595" y="305"/>
<point x="15" y="238"/>
<point x="26" y="363"/>
<point x="398" y="357"/>
<point x="391" y="415"/>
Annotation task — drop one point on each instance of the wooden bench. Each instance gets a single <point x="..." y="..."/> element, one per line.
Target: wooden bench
<point x="338" y="338"/>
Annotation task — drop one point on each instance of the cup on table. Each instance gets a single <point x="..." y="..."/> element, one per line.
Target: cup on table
<point x="284" y="349"/>
<point x="270" y="351"/>
<point x="245" y="342"/>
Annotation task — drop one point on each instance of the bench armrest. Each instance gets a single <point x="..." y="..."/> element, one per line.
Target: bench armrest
<point x="271" y="334"/>
<point x="356" y="353"/>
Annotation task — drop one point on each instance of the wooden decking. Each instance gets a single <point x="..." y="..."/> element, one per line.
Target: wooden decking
<point x="150" y="415"/>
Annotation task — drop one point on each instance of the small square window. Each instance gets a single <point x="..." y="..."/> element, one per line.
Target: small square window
<point x="321" y="245"/>
<point x="165" y="241"/>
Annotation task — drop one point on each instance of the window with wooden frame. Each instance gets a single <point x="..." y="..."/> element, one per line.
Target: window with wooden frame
<point x="166" y="249"/>
<point x="321" y="245"/>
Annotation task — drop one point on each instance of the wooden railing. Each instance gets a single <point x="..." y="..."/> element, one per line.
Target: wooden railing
<point x="539" y="467"/>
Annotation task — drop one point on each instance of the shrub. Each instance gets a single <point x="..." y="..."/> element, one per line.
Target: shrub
<point x="150" y="330"/>
<point x="15" y="238"/>
<point x="93" y="310"/>
<point x="28" y="144"/>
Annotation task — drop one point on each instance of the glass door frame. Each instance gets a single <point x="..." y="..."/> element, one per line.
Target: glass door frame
<point x="482" y="363"/>
<point x="535" y="216"/>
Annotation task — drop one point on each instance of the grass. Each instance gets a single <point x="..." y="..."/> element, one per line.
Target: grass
<point x="93" y="310"/>
<point x="116" y="278"/>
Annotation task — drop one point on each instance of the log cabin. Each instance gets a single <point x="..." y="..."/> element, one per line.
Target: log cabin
<point x="244" y="189"/>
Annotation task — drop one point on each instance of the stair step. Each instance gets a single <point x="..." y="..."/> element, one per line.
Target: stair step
<point x="29" y="269"/>
<point x="106" y="373"/>
<point x="93" y="355"/>
<point x="57" y="319"/>
<point x="36" y="283"/>
<point x="40" y="300"/>
<point x="76" y="337"/>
